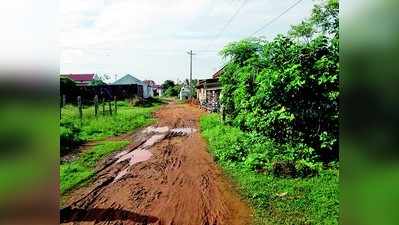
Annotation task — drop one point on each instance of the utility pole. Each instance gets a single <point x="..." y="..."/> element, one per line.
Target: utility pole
<point x="191" y="65"/>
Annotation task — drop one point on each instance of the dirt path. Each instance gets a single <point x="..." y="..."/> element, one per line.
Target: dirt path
<point x="166" y="177"/>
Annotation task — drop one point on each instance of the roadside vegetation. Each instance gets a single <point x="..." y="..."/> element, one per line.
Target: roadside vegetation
<point x="129" y="116"/>
<point x="301" y="193"/>
<point x="172" y="89"/>
<point x="279" y="137"/>
<point x="80" y="171"/>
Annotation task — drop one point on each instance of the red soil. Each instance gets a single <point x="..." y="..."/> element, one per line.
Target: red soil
<point x="179" y="184"/>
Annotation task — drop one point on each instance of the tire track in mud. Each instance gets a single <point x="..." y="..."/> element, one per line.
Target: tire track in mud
<point x="178" y="185"/>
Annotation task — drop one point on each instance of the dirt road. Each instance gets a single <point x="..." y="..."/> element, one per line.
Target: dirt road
<point x="166" y="177"/>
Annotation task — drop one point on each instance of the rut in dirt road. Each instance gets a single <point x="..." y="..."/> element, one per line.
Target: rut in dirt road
<point x="166" y="177"/>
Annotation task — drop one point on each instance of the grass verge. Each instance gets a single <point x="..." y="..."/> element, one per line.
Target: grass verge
<point x="128" y="118"/>
<point x="311" y="200"/>
<point x="76" y="173"/>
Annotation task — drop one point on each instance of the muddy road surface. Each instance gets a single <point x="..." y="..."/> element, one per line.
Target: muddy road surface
<point x="165" y="177"/>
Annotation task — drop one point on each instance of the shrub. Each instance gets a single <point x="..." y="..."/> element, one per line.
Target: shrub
<point x="258" y="153"/>
<point x="69" y="137"/>
<point x="307" y="169"/>
<point x="256" y="161"/>
<point x="284" y="169"/>
<point x="286" y="89"/>
<point x="225" y="141"/>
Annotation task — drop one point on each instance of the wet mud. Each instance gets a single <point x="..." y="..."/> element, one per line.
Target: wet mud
<point x="166" y="176"/>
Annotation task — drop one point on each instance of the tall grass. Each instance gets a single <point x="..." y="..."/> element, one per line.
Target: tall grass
<point x="276" y="200"/>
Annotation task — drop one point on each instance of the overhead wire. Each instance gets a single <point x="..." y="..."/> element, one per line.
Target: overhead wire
<point x="243" y="3"/>
<point x="276" y="18"/>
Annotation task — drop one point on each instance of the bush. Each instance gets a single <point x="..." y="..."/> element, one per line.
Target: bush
<point x="285" y="89"/>
<point x="268" y="175"/>
<point x="256" y="161"/>
<point x="226" y="143"/>
<point x="258" y="153"/>
<point x="284" y="169"/>
<point x="307" y="169"/>
<point x="69" y="137"/>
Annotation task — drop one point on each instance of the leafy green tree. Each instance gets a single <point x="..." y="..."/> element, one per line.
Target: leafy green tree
<point x="286" y="89"/>
<point x="304" y="31"/>
<point x="324" y="20"/>
<point x="168" y="84"/>
<point x="171" y="89"/>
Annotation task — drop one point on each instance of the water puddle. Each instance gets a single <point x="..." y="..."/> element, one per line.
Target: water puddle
<point x="151" y="129"/>
<point x="182" y="131"/>
<point x="154" y="139"/>
<point x="142" y="153"/>
<point x="136" y="156"/>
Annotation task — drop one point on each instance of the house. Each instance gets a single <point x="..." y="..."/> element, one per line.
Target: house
<point x="149" y="82"/>
<point x="156" y="89"/>
<point x="129" y="79"/>
<point x="185" y="93"/>
<point x="80" y="79"/>
<point x="208" y="92"/>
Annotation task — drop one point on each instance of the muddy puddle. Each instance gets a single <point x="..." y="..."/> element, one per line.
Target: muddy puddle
<point x="142" y="152"/>
<point x="166" y="176"/>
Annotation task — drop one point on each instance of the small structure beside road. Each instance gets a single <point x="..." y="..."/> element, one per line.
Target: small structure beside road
<point x="185" y="93"/>
<point x="208" y="92"/>
<point x="129" y="80"/>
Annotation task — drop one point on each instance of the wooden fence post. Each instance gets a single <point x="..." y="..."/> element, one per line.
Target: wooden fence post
<point x="103" y="107"/>
<point x="110" y="108"/>
<point x="80" y="109"/>
<point x="116" y="103"/>
<point x="95" y="105"/>
<point x="63" y="100"/>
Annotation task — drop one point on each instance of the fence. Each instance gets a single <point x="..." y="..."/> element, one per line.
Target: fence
<point x="106" y="92"/>
<point x="101" y="106"/>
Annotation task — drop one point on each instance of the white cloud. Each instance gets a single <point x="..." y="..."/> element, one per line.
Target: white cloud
<point x="149" y="37"/>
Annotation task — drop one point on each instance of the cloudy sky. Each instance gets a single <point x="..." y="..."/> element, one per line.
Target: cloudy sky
<point x="149" y="38"/>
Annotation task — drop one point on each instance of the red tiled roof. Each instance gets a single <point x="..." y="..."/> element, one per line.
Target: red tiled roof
<point x="80" y="77"/>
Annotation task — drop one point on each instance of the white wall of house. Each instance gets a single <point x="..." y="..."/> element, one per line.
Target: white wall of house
<point x="147" y="91"/>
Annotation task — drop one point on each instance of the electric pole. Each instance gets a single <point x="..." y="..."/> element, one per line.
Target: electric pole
<point x="191" y="65"/>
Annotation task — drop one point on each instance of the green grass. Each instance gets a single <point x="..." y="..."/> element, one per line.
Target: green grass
<point x="303" y="201"/>
<point x="76" y="173"/>
<point x="73" y="132"/>
<point x="312" y="200"/>
<point x="94" y="128"/>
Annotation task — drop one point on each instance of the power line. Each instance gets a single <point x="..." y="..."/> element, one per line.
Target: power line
<point x="228" y="23"/>
<point x="276" y="18"/>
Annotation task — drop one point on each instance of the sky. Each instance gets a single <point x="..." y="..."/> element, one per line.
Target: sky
<point x="150" y="38"/>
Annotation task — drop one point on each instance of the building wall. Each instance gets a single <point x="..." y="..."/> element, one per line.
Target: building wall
<point x="147" y="91"/>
